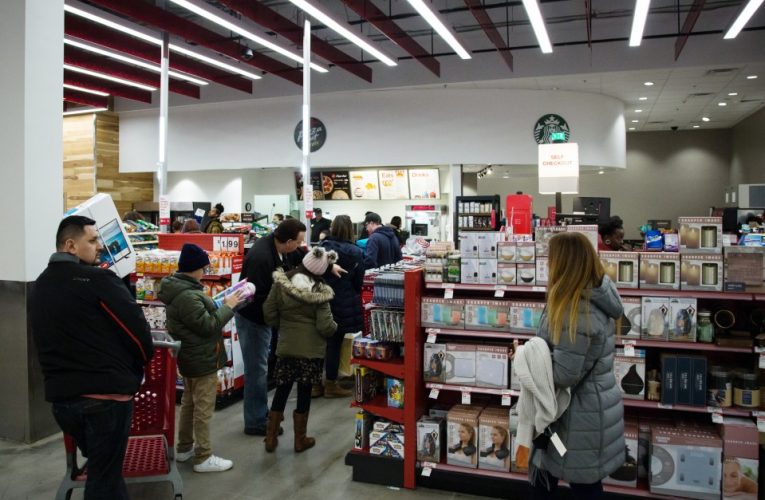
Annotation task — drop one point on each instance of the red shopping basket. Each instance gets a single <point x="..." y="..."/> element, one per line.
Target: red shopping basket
<point x="150" y="455"/>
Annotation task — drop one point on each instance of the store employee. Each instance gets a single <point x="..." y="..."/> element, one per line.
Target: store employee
<point x="318" y="224"/>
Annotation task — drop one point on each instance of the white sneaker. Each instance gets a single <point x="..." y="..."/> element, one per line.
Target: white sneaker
<point x="214" y="464"/>
<point x="184" y="456"/>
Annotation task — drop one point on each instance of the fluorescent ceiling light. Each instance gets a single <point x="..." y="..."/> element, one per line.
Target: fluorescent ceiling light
<point x="88" y="91"/>
<point x="632" y="128"/>
<point x="732" y="94"/>
<point x="743" y="18"/>
<point x="638" y="111"/>
<point x="435" y="21"/>
<point x="538" y="24"/>
<point x="696" y="126"/>
<point x="648" y="84"/>
<point x="111" y="78"/>
<point x="751" y="77"/>
<point x="704" y="118"/>
<point x="111" y="24"/>
<point x="325" y="18"/>
<point x="213" y="62"/>
<point x="600" y="172"/>
<point x="237" y="26"/>
<point x="635" y="121"/>
<point x="638" y="22"/>
<point x="84" y="111"/>
<point x="722" y="103"/>
<point x="133" y="61"/>
<point x="642" y="98"/>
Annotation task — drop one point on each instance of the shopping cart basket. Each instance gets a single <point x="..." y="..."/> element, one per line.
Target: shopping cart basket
<point x="150" y="455"/>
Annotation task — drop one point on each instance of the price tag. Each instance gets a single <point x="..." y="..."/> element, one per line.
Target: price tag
<point x="506" y="401"/>
<point x="664" y="407"/>
<point x="555" y="440"/>
<point x="762" y="361"/>
<point x="761" y="423"/>
<point x="449" y="293"/>
<point x="629" y="350"/>
<point x="465" y="397"/>
<point x="426" y="471"/>
<point x="431" y="338"/>
<point x="448" y="285"/>
<point x="629" y="342"/>
<point x="433" y="394"/>
<point x="225" y="244"/>
<point x="717" y="418"/>
<point x="499" y="294"/>
<point x="759" y="350"/>
<point x="538" y="289"/>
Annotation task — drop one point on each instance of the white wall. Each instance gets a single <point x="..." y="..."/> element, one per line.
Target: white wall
<point x="748" y="162"/>
<point x="404" y="127"/>
<point x="224" y="186"/>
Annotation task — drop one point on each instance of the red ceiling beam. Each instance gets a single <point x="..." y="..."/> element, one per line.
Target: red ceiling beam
<point x="115" y="89"/>
<point x="85" y="99"/>
<point x="274" y="21"/>
<point x="480" y="14"/>
<point x="88" y="31"/>
<point x="166" y="21"/>
<point x="369" y="11"/>
<point x="84" y="59"/>
<point x="690" y="22"/>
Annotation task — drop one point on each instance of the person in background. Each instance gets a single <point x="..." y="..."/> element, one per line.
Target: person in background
<point x="364" y="233"/>
<point x="323" y="235"/>
<point x="298" y="305"/>
<point x="214" y="225"/>
<point x="190" y="226"/>
<point x="133" y="216"/>
<point x="611" y="235"/>
<point x="395" y="224"/>
<point x="92" y="343"/>
<point x="318" y="224"/>
<point x="176" y="226"/>
<point x="346" y="305"/>
<point x="277" y="219"/>
<point x="383" y="247"/>
<point x="193" y="319"/>
<point x="579" y="326"/>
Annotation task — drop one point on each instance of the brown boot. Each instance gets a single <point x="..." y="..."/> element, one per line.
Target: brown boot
<point x="317" y="391"/>
<point x="300" y="423"/>
<point x="272" y="429"/>
<point x="333" y="390"/>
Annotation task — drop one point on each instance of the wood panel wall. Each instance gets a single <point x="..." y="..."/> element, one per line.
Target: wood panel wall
<point x="91" y="163"/>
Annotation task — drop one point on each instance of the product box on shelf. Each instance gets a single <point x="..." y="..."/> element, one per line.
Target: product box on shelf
<point x="542" y="235"/>
<point x="487" y="271"/>
<point x="701" y="272"/>
<point x="439" y="410"/>
<point x="660" y="270"/>
<point x="430" y="439"/>
<point x="743" y="268"/>
<point x="622" y="268"/>
<point x="494" y="440"/>
<point x="468" y="245"/>
<point x="487" y="244"/>
<point x="654" y="318"/>
<point x="486" y="315"/>
<point x="525" y="252"/>
<point x="395" y="390"/>
<point x="389" y="443"/>
<point x="460" y="364"/>
<point x="630" y="373"/>
<point x="644" y="446"/>
<point x="506" y="274"/>
<point x="542" y="271"/>
<point x="519" y="456"/>
<point x="527" y="274"/>
<point x="627" y="474"/>
<point x="668" y="379"/>
<point x="506" y="251"/>
<point x="462" y="436"/>
<point x="589" y="230"/>
<point x="631" y="317"/>
<point x="434" y="363"/>
<point x="525" y="316"/>
<point x="698" y="380"/>
<point x="367" y="382"/>
<point x="470" y="271"/>
<point x="700" y="234"/>
<point x="682" y="319"/>
<point x="442" y="313"/>
<point x="685" y="462"/>
<point x="362" y="428"/>
<point x="492" y="366"/>
<point x="740" y="458"/>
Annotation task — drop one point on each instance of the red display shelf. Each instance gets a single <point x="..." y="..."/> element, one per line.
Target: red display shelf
<point x="689" y="346"/>
<point x="647" y="292"/>
<point x="486" y="288"/>
<point x="479" y="333"/>
<point x="642" y="403"/>
<point x="379" y="406"/>
<point x="207" y="277"/>
<point x="393" y="367"/>
<point x="473" y="390"/>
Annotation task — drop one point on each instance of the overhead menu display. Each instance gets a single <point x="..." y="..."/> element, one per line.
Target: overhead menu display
<point x="424" y="183"/>
<point x="394" y="185"/>
<point x="364" y="185"/>
<point x="318" y="190"/>
<point x="336" y="185"/>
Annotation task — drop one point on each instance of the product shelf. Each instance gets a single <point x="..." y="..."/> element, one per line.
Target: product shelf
<point x="644" y="403"/>
<point x="689" y="346"/>
<point x="379" y="406"/>
<point x="150" y="302"/>
<point x="487" y="288"/>
<point x="393" y="367"/>
<point x="479" y="214"/>
<point x="693" y="294"/>
<point x="208" y="277"/>
<point x="145" y="233"/>
<point x="153" y="242"/>
<point x="471" y="389"/>
<point x="479" y="333"/>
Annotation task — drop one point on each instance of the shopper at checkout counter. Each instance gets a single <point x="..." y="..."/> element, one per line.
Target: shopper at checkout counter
<point x="319" y="224"/>
<point x="383" y="246"/>
<point x="611" y="235"/>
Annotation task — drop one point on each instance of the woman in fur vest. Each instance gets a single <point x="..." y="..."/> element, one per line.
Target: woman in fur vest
<point x="298" y="305"/>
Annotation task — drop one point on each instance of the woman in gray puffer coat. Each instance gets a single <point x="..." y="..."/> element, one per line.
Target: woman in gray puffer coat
<point x="579" y="326"/>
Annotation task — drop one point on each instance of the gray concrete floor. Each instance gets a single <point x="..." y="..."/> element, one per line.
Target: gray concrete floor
<point x="35" y="471"/>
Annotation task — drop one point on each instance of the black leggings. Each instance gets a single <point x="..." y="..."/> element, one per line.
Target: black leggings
<point x="283" y="392"/>
<point x="580" y="491"/>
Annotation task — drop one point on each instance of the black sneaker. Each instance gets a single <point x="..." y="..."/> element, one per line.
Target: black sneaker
<point x="259" y="431"/>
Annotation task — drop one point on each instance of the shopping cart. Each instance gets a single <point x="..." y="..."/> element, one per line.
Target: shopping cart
<point x="150" y="455"/>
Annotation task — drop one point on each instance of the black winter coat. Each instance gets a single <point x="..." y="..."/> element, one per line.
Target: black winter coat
<point x="383" y="248"/>
<point x="346" y="306"/>
<point x="91" y="336"/>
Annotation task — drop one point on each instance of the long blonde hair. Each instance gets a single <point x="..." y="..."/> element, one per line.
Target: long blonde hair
<point x="574" y="268"/>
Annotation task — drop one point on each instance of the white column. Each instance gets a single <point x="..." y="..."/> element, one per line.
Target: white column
<point x="306" y="165"/>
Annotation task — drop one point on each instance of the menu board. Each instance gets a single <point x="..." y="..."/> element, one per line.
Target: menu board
<point x="336" y="185"/>
<point x="394" y="185"/>
<point x="364" y="185"/>
<point x="318" y="191"/>
<point x="424" y="183"/>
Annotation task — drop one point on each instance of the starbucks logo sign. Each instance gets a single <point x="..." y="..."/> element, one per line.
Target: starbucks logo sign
<point x="551" y="128"/>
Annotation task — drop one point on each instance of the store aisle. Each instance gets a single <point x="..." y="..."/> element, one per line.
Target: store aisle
<point x="34" y="471"/>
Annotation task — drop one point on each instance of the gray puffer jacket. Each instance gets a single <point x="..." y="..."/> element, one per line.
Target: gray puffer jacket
<point x="592" y="429"/>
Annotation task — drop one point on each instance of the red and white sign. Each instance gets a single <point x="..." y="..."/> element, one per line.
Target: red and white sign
<point x="164" y="211"/>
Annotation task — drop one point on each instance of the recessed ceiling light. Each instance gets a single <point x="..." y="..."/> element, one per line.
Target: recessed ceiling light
<point x="635" y="121"/>
<point x="600" y="172"/>
<point x="696" y="126"/>
<point x="632" y="128"/>
<point x="722" y="103"/>
<point x="731" y="94"/>
<point x="642" y="98"/>
<point x="751" y="77"/>
<point x="648" y="84"/>
<point x="704" y="118"/>
<point x="638" y="111"/>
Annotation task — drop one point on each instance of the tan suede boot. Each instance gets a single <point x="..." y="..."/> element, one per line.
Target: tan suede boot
<point x="317" y="391"/>
<point x="300" y="423"/>
<point x="272" y="430"/>
<point x="333" y="390"/>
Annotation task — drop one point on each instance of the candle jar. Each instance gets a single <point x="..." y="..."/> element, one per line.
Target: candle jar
<point x="704" y="328"/>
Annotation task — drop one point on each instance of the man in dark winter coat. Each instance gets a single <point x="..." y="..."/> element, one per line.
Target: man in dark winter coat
<point x="319" y="224"/>
<point x="383" y="246"/>
<point x="93" y="343"/>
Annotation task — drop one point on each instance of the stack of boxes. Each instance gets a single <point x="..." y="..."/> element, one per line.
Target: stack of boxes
<point x="467" y="365"/>
<point x="683" y="380"/>
<point x="478" y="252"/>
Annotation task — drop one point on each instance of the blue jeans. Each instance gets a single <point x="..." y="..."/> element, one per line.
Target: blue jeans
<point x="101" y="429"/>
<point x="255" y="341"/>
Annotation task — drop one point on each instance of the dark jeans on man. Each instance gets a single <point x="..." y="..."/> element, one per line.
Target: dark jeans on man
<point x="100" y="428"/>
<point x="539" y="490"/>
<point x="332" y="361"/>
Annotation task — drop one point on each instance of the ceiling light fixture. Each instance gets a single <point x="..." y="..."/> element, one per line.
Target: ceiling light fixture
<point x="231" y="24"/>
<point x="111" y="78"/>
<point x="648" y="84"/>
<point x="696" y="126"/>
<point x="538" y="25"/>
<point x="642" y="98"/>
<point x="325" y="18"/>
<point x="213" y="62"/>
<point x="83" y="89"/>
<point x="84" y="111"/>
<point x="743" y="18"/>
<point x="632" y="128"/>
<point x="635" y="121"/>
<point x="751" y="77"/>
<point x="704" y="118"/>
<point x="132" y="61"/>
<point x="732" y="94"/>
<point x="111" y="24"/>
<point x="638" y="22"/>
<point x="600" y="172"/>
<point x="638" y="111"/>
<point x="435" y="20"/>
<point x="722" y="103"/>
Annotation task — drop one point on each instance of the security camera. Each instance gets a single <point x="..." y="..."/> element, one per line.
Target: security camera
<point x="247" y="54"/>
<point x="673" y="127"/>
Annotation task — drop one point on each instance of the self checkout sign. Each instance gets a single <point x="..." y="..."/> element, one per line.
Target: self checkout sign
<point x="225" y="244"/>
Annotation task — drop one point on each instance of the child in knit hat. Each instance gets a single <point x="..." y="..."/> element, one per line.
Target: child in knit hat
<point x="298" y="305"/>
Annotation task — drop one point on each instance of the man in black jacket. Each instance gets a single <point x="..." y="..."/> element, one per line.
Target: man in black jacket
<point x="93" y="343"/>
<point x="383" y="247"/>
<point x="319" y="224"/>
